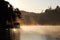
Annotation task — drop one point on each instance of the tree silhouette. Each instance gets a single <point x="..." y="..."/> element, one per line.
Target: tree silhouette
<point x="7" y="19"/>
<point x="50" y="17"/>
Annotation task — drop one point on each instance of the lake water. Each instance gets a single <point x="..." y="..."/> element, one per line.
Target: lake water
<point x="39" y="32"/>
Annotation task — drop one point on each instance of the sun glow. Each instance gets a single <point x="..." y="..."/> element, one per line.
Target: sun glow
<point x="53" y="31"/>
<point x="14" y="30"/>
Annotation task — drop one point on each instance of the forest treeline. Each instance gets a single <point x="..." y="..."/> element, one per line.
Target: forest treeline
<point x="49" y="17"/>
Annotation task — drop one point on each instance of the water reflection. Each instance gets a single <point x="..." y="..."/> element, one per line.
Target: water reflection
<point x="15" y="34"/>
<point x="40" y="33"/>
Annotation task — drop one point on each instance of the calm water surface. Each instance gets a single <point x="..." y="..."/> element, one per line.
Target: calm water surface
<point x="40" y="32"/>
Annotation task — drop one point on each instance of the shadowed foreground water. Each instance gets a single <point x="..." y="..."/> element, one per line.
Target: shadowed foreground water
<point x="40" y="33"/>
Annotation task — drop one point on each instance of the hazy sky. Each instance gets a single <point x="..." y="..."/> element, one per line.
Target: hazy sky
<point x="34" y="5"/>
